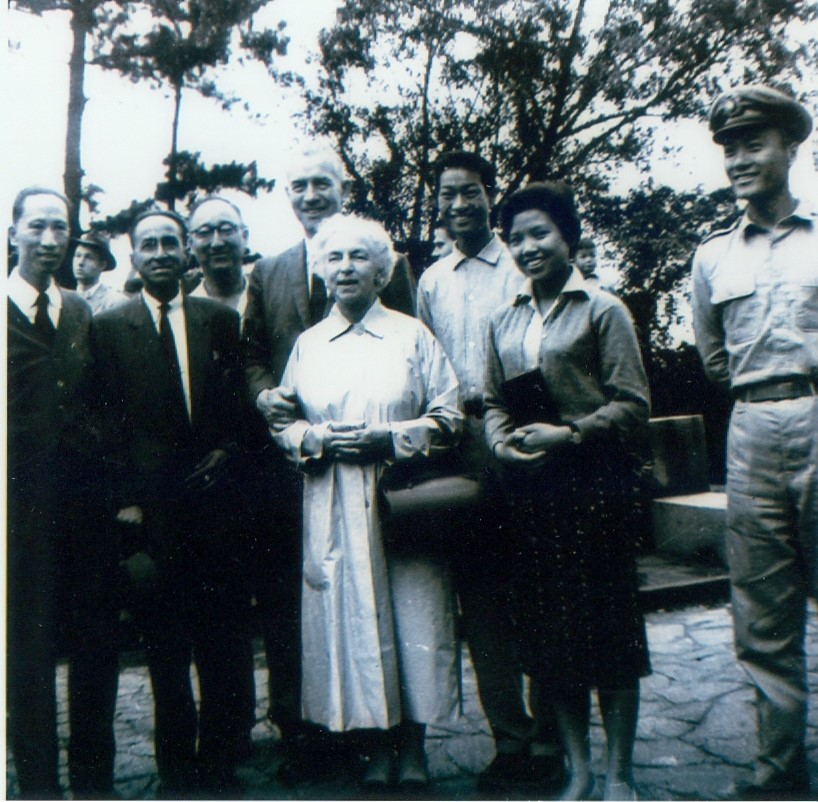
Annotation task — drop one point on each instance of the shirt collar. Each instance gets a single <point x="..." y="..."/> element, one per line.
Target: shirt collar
<point x="153" y="304"/>
<point x="803" y="213"/>
<point x="491" y="254"/>
<point x="575" y="284"/>
<point x="373" y="322"/>
<point x="25" y="296"/>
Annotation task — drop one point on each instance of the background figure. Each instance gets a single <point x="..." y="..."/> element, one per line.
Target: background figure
<point x="442" y="242"/>
<point x="60" y="557"/>
<point x="571" y="480"/>
<point x="456" y="298"/>
<point x="285" y="297"/>
<point x="218" y="241"/>
<point x="378" y="641"/>
<point x="585" y="259"/>
<point x="755" y="313"/>
<point x="168" y="384"/>
<point x="93" y="257"/>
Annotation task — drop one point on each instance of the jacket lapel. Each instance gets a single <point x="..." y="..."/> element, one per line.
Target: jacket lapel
<point x="299" y="291"/>
<point x="198" y="343"/>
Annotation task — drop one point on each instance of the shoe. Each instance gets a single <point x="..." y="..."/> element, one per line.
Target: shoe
<point x="506" y="769"/>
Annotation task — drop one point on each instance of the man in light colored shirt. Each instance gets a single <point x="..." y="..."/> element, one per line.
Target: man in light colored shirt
<point x="456" y="298"/>
<point x="93" y="257"/>
<point x="60" y="561"/>
<point x="755" y="305"/>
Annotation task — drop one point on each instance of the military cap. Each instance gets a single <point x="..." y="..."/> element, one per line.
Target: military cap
<point x="756" y="106"/>
<point x="99" y="242"/>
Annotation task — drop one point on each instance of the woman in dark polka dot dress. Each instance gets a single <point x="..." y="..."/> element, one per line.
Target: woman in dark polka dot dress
<point x="567" y="398"/>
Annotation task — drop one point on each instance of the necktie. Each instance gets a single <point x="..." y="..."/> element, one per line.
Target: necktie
<point x="42" y="320"/>
<point x="172" y="360"/>
<point x="318" y="299"/>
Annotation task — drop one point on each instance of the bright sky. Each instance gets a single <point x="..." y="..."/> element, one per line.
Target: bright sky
<point x="126" y="127"/>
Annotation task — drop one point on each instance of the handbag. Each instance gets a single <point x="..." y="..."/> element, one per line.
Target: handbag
<point x="420" y="486"/>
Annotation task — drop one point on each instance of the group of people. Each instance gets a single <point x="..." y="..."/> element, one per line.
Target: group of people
<point x="241" y="441"/>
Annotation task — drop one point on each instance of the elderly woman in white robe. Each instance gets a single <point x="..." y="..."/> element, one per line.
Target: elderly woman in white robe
<point x="372" y="386"/>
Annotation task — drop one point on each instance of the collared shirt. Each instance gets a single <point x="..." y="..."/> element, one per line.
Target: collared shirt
<point x="457" y="296"/>
<point x="24" y="297"/>
<point x="588" y="354"/>
<point x="384" y="369"/>
<point x="755" y="300"/>
<point x="176" y="317"/>
<point x="101" y="297"/>
<point x="238" y="301"/>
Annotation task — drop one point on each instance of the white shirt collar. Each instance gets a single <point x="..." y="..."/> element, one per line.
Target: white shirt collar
<point x="373" y="322"/>
<point x="24" y="296"/>
<point x="153" y="305"/>
<point x="491" y="253"/>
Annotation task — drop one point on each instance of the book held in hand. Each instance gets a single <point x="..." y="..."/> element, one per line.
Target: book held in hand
<point x="528" y="400"/>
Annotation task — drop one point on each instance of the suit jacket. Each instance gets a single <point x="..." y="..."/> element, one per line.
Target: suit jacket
<point x="43" y="382"/>
<point x="278" y="310"/>
<point x="150" y="450"/>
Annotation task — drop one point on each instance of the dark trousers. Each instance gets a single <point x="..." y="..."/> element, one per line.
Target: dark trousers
<point x="61" y="602"/>
<point x="198" y="612"/>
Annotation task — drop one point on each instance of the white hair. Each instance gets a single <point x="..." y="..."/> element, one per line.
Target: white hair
<point x="370" y="232"/>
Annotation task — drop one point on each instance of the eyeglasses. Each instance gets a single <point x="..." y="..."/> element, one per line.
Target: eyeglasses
<point x="205" y="233"/>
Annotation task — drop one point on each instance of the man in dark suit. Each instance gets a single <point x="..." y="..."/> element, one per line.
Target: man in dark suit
<point x="60" y="562"/>
<point x="167" y="379"/>
<point x="285" y="298"/>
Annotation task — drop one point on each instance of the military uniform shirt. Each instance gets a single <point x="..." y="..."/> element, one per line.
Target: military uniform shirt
<point x="755" y="300"/>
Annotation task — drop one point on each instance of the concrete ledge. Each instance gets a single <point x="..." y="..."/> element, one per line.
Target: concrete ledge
<point x="690" y="525"/>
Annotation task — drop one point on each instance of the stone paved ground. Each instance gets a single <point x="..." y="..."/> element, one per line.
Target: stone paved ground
<point x="695" y="734"/>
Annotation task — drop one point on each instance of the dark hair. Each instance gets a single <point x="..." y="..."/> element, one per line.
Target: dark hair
<point x="180" y="221"/>
<point x="586" y="244"/>
<point x="552" y="197"/>
<point x="20" y="201"/>
<point x="460" y="159"/>
<point x="202" y="201"/>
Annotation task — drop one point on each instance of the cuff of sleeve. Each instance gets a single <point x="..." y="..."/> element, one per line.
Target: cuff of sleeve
<point x="410" y="441"/>
<point x="315" y="433"/>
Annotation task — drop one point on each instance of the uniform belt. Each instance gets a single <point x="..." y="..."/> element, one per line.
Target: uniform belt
<point x="782" y="390"/>
<point x="473" y="407"/>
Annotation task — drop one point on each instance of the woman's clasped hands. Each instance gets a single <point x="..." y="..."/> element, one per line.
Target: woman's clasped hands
<point x="356" y="441"/>
<point x="532" y="444"/>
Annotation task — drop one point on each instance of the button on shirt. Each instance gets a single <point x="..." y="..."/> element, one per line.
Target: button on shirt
<point x="755" y="300"/>
<point x="24" y="297"/>
<point x="456" y="297"/>
<point x="176" y="318"/>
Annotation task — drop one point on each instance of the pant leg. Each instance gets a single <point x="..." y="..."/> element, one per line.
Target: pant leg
<point x="90" y="595"/>
<point x="768" y="448"/>
<point x="31" y="637"/>
<point x="483" y="578"/>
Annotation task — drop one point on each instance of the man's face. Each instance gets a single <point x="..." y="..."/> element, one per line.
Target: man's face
<point x="757" y="162"/>
<point x="88" y="265"/>
<point x="585" y="261"/>
<point x="316" y="192"/>
<point x="218" y="239"/>
<point x="463" y="202"/>
<point x="40" y="236"/>
<point x="158" y="255"/>
<point x="442" y="244"/>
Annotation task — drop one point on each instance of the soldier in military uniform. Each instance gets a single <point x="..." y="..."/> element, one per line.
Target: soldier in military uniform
<point x="755" y="304"/>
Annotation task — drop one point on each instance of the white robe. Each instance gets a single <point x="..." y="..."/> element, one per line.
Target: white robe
<point x="386" y="369"/>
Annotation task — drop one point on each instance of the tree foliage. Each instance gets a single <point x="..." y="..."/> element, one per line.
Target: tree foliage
<point x="184" y="41"/>
<point x="542" y="88"/>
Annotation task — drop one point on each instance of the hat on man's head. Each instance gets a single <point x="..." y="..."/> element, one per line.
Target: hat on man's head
<point x="99" y="242"/>
<point x="756" y="106"/>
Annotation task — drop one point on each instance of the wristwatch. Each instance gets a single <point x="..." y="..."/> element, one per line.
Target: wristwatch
<point x="576" y="434"/>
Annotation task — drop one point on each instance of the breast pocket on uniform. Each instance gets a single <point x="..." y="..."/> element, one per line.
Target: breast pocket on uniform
<point x="807" y="315"/>
<point x="742" y="312"/>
